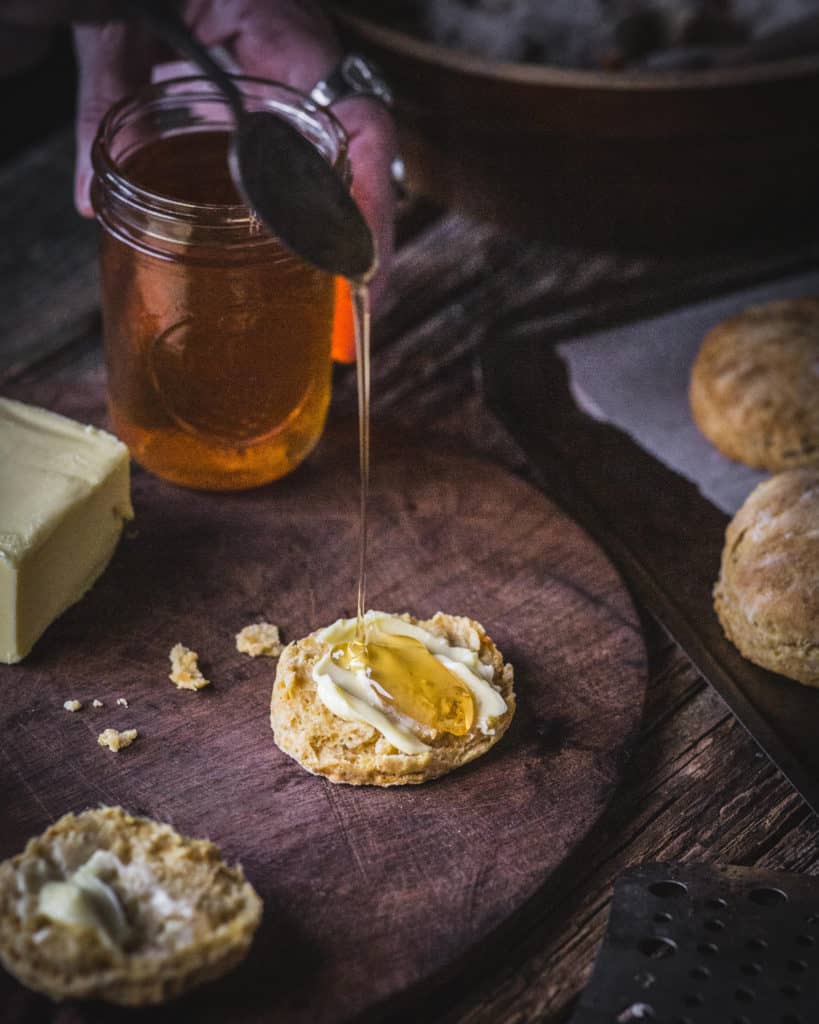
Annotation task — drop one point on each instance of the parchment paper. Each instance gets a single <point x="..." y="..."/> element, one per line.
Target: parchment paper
<point x="636" y="377"/>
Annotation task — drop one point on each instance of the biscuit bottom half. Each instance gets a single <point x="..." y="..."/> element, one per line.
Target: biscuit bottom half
<point x="107" y="906"/>
<point x="356" y="752"/>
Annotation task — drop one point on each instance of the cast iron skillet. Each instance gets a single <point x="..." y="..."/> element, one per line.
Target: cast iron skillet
<point x="652" y="160"/>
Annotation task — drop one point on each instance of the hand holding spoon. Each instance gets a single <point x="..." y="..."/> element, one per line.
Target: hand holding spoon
<point x="279" y="173"/>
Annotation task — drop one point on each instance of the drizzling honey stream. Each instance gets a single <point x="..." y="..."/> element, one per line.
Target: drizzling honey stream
<point x="417" y="684"/>
<point x="361" y="318"/>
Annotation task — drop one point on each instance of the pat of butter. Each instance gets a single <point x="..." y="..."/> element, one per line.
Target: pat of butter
<point x="354" y="696"/>
<point x="85" y="901"/>
<point x="64" y="495"/>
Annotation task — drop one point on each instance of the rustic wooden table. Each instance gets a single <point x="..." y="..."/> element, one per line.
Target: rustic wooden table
<point x="697" y="788"/>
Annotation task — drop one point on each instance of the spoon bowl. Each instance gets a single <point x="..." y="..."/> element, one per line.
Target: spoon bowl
<point x="287" y="183"/>
<point x="283" y="178"/>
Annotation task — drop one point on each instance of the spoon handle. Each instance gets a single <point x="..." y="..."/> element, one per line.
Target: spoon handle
<point x="160" y="16"/>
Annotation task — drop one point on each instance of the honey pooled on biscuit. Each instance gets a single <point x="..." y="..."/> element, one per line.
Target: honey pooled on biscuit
<point x="411" y="680"/>
<point x="405" y="681"/>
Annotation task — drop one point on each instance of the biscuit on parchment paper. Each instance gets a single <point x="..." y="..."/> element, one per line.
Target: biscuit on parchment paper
<point x="754" y="389"/>
<point x="767" y="595"/>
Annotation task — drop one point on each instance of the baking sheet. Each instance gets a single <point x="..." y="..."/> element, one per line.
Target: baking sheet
<point x="668" y="548"/>
<point x="636" y="378"/>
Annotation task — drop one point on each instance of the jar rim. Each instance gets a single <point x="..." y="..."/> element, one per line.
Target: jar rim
<point x="108" y="169"/>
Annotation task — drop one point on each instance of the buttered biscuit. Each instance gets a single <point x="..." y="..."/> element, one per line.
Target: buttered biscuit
<point x="106" y="906"/>
<point x="755" y="385"/>
<point x="348" y="725"/>
<point x="767" y="596"/>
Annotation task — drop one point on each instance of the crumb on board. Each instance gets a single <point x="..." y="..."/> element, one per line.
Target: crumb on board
<point x="185" y="674"/>
<point x="116" y="740"/>
<point x="123" y="703"/>
<point x="96" y="703"/>
<point x="259" y="638"/>
<point x="72" y="705"/>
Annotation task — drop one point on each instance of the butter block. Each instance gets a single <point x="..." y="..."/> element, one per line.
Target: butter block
<point x="64" y="496"/>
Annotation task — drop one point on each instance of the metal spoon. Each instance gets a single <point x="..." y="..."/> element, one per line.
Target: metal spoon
<point x="279" y="173"/>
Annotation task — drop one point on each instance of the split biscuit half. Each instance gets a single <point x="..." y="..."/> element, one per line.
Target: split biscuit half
<point x="107" y="906"/>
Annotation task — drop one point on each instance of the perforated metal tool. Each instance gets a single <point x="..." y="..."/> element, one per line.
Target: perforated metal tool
<point x="701" y="945"/>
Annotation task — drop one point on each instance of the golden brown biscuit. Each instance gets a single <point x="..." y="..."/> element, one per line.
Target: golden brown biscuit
<point x="767" y="595"/>
<point x="356" y="752"/>
<point x="183" y="916"/>
<point x="755" y="385"/>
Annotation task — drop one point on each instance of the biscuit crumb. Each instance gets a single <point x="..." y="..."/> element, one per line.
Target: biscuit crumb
<point x="72" y="705"/>
<point x="185" y="674"/>
<point x="259" y="638"/>
<point x="115" y="740"/>
<point x="123" y="703"/>
<point x="96" y="703"/>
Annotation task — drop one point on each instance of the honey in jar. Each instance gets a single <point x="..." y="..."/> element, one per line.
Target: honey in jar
<point x="217" y="338"/>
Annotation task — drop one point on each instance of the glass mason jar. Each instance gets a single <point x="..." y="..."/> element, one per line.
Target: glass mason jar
<point x="217" y="338"/>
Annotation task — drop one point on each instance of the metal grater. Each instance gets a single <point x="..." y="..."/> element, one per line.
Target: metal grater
<point x="691" y="944"/>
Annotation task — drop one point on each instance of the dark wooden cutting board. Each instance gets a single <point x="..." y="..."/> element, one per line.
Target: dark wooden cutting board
<point x="368" y="893"/>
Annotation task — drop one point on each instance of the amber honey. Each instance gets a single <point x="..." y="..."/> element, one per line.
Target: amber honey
<point x="217" y="339"/>
<point x="411" y="680"/>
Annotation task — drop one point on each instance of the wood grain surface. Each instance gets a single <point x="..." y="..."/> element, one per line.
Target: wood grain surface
<point x="696" y="787"/>
<point x="366" y="891"/>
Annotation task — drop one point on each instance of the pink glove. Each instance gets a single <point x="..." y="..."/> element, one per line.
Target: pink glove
<point x="288" y="41"/>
